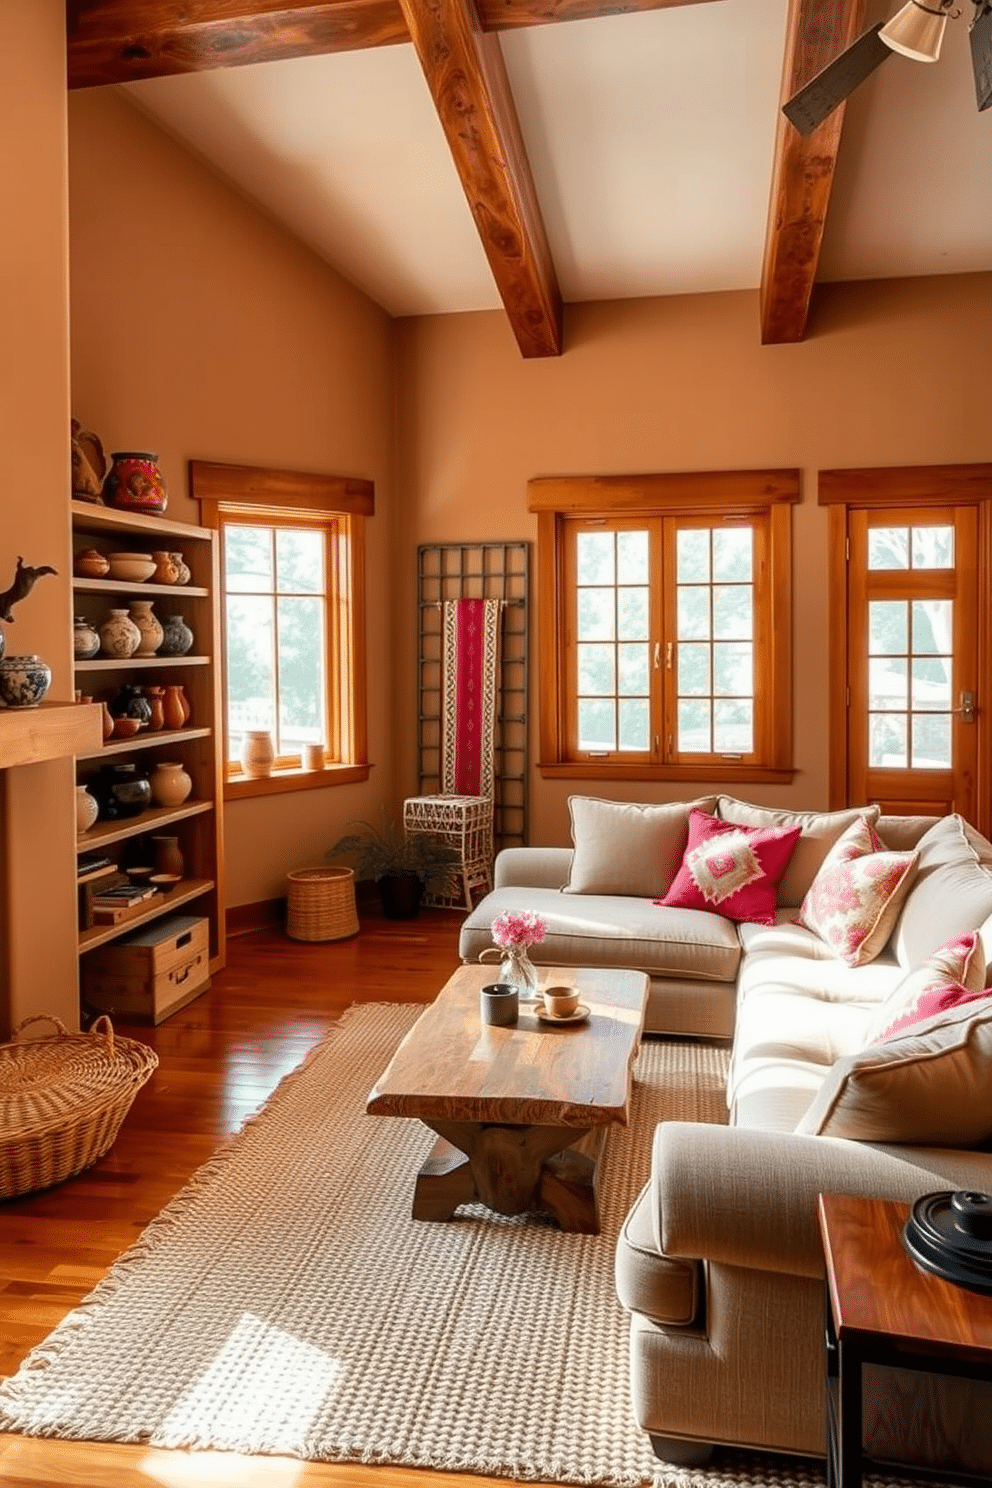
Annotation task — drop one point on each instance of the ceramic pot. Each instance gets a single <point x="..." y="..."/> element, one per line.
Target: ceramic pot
<point x="168" y="858"/>
<point x="87" y="810"/>
<point x="85" y="641"/>
<point x="121" y="791"/>
<point x="166" y="568"/>
<point x="24" y="680"/>
<point x="177" y="638"/>
<point x="148" y="623"/>
<point x="170" y="785"/>
<point x="155" y="696"/>
<point x="89" y="462"/>
<point x="89" y="564"/>
<point x="257" y="754"/>
<point x="119" y="636"/>
<point x="107" y="722"/>
<point x="173" y="712"/>
<point x="130" y="702"/>
<point x="135" y="482"/>
<point x="184" y="574"/>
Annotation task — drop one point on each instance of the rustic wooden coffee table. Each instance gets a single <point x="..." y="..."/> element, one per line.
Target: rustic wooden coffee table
<point x="521" y="1112"/>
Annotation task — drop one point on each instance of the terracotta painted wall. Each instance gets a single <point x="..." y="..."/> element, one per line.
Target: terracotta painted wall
<point x="671" y="385"/>
<point x="202" y="330"/>
<point x="37" y="812"/>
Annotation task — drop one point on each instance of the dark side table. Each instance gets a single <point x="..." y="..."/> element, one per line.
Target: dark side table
<point x="884" y="1309"/>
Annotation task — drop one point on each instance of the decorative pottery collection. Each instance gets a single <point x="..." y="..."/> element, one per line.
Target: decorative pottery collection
<point x="87" y="810"/>
<point x="135" y="483"/>
<point x="24" y="680"/>
<point x="177" y="637"/>
<point x="148" y="623"/>
<point x="257" y="754"/>
<point x="168" y="857"/>
<point x="119" y="636"/>
<point x="85" y="640"/>
<point x="89" y="462"/>
<point x="121" y="791"/>
<point x="170" y="783"/>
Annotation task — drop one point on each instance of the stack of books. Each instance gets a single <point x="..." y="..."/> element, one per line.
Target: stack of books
<point x="112" y="903"/>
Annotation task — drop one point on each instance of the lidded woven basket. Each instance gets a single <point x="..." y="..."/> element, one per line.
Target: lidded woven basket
<point x="320" y="904"/>
<point x="62" y="1100"/>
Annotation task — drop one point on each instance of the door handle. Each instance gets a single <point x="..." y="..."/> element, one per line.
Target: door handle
<point x="967" y="707"/>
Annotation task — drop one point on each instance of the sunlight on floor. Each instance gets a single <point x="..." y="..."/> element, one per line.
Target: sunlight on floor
<point x="199" y="1469"/>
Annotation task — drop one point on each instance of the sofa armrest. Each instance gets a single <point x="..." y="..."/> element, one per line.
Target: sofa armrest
<point x="532" y="867"/>
<point x="749" y="1198"/>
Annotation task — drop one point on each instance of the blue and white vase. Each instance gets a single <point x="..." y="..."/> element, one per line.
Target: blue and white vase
<point x="177" y="638"/>
<point x="24" y="680"/>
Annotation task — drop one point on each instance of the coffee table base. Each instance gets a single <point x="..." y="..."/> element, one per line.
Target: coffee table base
<point x="513" y="1170"/>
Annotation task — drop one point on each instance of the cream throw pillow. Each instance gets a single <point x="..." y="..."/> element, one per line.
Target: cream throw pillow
<point x="622" y="847"/>
<point x="855" y="899"/>
<point x="821" y="829"/>
<point x="951" y="894"/>
<point x="931" y="1086"/>
<point x="958" y="964"/>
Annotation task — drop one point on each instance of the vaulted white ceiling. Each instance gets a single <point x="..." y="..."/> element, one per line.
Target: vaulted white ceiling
<point x="650" y="138"/>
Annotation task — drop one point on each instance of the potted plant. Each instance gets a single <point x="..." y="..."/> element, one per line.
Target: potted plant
<point x="404" y="866"/>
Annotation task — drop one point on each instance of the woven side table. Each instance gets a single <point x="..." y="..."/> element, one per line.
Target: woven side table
<point x="320" y="904"/>
<point x="466" y="824"/>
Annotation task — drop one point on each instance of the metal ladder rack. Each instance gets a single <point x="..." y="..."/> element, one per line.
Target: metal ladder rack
<point x="487" y="570"/>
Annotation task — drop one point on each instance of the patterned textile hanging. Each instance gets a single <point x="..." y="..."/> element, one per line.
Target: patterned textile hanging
<point x="470" y="682"/>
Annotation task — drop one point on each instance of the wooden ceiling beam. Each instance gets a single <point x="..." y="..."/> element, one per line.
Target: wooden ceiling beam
<point x="467" y="79"/>
<point x="803" y="172"/>
<point x="119" y="41"/>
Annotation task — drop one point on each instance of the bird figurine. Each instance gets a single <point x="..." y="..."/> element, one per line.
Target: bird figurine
<point x="25" y="579"/>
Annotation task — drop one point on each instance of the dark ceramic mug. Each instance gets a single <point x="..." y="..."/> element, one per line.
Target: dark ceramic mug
<point x="499" y="1004"/>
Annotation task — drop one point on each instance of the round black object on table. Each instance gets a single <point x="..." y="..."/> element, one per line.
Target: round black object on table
<point x="950" y="1234"/>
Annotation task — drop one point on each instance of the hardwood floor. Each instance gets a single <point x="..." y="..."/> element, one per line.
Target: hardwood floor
<point x="219" y="1059"/>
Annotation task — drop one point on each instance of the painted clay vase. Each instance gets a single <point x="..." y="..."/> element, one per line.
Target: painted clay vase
<point x="173" y="712"/>
<point x="170" y="784"/>
<point x="187" y="706"/>
<point x="177" y="637"/>
<point x="89" y="462"/>
<point x="155" y="696"/>
<point x="121" y="791"/>
<point x="130" y="702"/>
<point x="166" y="568"/>
<point x="135" y="483"/>
<point x="168" y="858"/>
<point x="87" y="810"/>
<point x="184" y="574"/>
<point x="119" y="636"/>
<point x="24" y="680"/>
<point x="257" y="754"/>
<point x="107" y="722"/>
<point x="150" y="626"/>
<point x="85" y="640"/>
<point x="89" y="564"/>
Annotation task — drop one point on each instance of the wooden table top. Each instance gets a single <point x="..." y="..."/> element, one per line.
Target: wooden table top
<point x="452" y="1067"/>
<point x="878" y="1291"/>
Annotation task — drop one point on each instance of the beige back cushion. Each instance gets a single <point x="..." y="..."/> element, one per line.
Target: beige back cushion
<point x="931" y="1086"/>
<point x="951" y="894"/>
<point x="622" y="847"/>
<point x="821" y="829"/>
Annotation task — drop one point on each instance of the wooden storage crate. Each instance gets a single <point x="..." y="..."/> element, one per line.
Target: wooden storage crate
<point x="152" y="972"/>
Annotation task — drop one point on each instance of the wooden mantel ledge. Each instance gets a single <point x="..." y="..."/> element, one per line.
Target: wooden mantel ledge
<point x="51" y="731"/>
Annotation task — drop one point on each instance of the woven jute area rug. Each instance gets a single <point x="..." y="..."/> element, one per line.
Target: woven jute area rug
<point x="286" y="1303"/>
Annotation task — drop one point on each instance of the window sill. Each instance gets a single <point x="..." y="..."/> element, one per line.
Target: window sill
<point x="238" y="787"/>
<point x="722" y="773"/>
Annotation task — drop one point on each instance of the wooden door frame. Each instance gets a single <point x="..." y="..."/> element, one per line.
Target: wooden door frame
<point x="903" y="486"/>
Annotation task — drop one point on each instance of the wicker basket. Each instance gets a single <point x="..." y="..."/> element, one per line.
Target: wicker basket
<point x="62" y="1101"/>
<point x="320" y="904"/>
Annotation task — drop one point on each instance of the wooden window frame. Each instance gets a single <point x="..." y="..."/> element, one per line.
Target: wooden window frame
<point x="338" y="505"/>
<point x="874" y="489"/>
<point x="735" y="494"/>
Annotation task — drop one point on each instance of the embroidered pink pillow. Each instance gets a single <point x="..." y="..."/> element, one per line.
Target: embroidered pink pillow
<point x="954" y="974"/>
<point x="855" y="898"/>
<point x="732" y="870"/>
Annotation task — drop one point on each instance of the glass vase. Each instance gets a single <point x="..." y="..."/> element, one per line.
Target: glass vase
<point x="519" y="970"/>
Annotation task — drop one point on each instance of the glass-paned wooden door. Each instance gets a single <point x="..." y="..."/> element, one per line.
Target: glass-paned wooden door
<point x="913" y="659"/>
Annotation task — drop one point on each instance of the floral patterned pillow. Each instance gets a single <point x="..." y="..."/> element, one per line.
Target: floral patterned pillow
<point x="854" y="900"/>
<point x="732" y="870"/>
<point x="952" y="975"/>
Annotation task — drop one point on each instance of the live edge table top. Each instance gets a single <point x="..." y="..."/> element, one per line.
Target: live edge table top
<point x="453" y="1067"/>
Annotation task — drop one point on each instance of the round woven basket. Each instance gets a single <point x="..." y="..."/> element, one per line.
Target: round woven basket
<point x="320" y="904"/>
<point x="62" y="1101"/>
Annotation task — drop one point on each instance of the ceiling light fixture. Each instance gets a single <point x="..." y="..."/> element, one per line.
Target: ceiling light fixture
<point x="917" y="30"/>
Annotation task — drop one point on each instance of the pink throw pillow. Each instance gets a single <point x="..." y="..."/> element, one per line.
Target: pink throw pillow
<point x="954" y="974"/>
<point x="854" y="900"/>
<point x="732" y="870"/>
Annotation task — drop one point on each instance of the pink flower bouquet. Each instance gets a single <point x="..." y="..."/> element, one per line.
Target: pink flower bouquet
<point x="516" y="931"/>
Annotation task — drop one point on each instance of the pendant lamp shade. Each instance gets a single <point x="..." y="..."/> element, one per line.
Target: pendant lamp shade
<point x="917" y="30"/>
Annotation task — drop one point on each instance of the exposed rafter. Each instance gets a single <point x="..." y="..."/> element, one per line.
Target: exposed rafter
<point x="466" y="74"/>
<point x="803" y="172"/>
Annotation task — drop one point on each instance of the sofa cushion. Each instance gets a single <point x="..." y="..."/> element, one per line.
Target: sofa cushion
<point x="666" y="1290"/>
<point x="931" y="1086"/>
<point x="607" y="930"/>
<point x="956" y="968"/>
<point x="621" y="847"/>
<point x="951" y="894"/>
<point x="820" y="830"/>
<point x="731" y="869"/>
<point x="855" y="898"/>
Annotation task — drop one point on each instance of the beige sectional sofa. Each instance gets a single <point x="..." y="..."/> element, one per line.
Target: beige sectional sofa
<point x="719" y="1263"/>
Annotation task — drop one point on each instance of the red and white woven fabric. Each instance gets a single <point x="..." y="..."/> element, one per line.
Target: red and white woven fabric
<point x="470" y="687"/>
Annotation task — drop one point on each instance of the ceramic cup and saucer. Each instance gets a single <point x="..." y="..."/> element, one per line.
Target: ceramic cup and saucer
<point x="561" y="1005"/>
